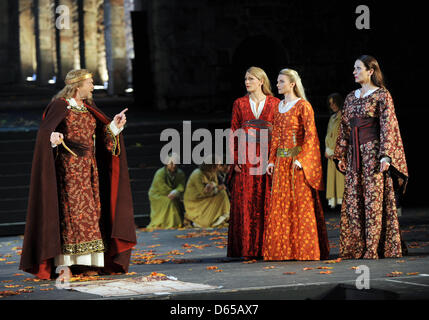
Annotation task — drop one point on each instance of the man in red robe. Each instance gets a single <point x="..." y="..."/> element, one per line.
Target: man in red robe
<point x="80" y="209"/>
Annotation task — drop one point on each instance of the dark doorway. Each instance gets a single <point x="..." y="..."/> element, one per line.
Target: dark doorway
<point x="143" y="78"/>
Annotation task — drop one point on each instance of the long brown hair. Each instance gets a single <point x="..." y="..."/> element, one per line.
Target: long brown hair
<point x="370" y="62"/>
<point x="337" y="99"/>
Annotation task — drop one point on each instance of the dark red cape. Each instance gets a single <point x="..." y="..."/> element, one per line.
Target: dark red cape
<point x="42" y="240"/>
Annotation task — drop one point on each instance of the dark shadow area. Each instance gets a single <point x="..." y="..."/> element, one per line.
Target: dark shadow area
<point x="349" y="292"/>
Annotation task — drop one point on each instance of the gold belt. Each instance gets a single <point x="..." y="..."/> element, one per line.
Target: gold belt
<point x="289" y="152"/>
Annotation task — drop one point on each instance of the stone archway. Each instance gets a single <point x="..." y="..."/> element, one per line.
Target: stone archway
<point x="259" y="51"/>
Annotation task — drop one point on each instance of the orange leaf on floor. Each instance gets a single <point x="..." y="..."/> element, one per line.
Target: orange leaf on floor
<point x="333" y="261"/>
<point x="249" y="261"/>
<point x="394" y="274"/>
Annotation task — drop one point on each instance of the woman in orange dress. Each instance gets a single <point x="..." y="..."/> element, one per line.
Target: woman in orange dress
<point x="295" y="226"/>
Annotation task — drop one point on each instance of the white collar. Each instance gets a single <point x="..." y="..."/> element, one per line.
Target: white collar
<point x="357" y="93"/>
<point x="285" y="107"/>
<point x="72" y="102"/>
<point x="261" y="106"/>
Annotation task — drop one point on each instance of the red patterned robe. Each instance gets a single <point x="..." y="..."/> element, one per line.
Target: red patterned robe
<point x="250" y="194"/>
<point x="74" y="212"/>
<point x="369" y="225"/>
<point x="78" y="185"/>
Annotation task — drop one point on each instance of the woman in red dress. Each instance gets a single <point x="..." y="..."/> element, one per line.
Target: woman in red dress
<point x="250" y="185"/>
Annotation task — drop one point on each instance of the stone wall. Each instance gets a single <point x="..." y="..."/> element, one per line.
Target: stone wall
<point x="200" y="49"/>
<point x="10" y="71"/>
<point x="32" y="42"/>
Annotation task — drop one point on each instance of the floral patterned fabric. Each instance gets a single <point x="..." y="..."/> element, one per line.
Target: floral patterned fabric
<point x="295" y="227"/>
<point x="77" y="177"/>
<point x="369" y="225"/>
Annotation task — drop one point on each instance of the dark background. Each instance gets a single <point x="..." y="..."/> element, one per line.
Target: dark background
<point x="216" y="41"/>
<point x="189" y="64"/>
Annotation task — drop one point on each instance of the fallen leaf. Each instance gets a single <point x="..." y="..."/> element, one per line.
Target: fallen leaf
<point x="249" y="261"/>
<point x="412" y="273"/>
<point x="13" y="286"/>
<point x="325" y="267"/>
<point x="25" y="290"/>
<point x="394" y="274"/>
<point x="8" y="293"/>
<point x="325" y="272"/>
<point x="354" y="268"/>
<point x="289" y="272"/>
<point x="333" y="261"/>
<point x="19" y="274"/>
<point x="130" y="273"/>
<point x="219" y="270"/>
<point x="46" y="289"/>
<point x="211" y="268"/>
<point x="156" y="274"/>
<point x="270" y="267"/>
<point x="307" y="268"/>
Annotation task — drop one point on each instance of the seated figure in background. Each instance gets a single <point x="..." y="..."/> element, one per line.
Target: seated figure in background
<point x="206" y="201"/>
<point x="165" y="195"/>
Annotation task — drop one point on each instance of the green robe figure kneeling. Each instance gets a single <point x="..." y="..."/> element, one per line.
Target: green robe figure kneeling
<point x="206" y="202"/>
<point x="165" y="195"/>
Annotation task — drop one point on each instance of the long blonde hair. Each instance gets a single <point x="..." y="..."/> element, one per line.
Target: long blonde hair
<point x="69" y="91"/>
<point x="261" y="76"/>
<point x="295" y="78"/>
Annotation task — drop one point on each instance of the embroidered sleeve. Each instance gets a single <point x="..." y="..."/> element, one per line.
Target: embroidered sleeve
<point x="235" y="125"/>
<point x="309" y="157"/>
<point x="342" y="142"/>
<point x="111" y="140"/>
<point x="275" y="138"/>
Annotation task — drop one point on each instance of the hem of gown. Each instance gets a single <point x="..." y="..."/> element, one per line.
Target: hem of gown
<point x="95" y="246"/>
<point x="92" y="259"/>
<point x="291" y="259"/>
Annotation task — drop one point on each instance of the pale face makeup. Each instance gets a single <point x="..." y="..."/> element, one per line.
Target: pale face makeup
<point x="85" y="90"/>
<point x="252" y="83"/>
<point x="361" y="74"/>
<point x="284" y="86"/>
